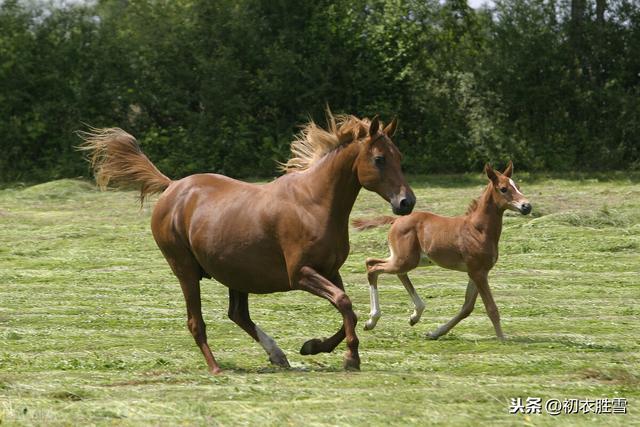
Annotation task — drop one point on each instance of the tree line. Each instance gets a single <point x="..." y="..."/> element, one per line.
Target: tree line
<point x="223" y="85"/>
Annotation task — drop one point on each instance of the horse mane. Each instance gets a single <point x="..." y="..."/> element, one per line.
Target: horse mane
<point x="313" y="142"/>
<point x="472" y="206"/>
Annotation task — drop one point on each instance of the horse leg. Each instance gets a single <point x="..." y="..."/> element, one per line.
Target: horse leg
<point x="239" y="313"/>
<point x="195" y="322"/>
<point x="325" y="345"/>
<point x="465" y="311"/>
<point x="392" y="265"/>
<point x="417" y="301"/>
<point x="312" y="282"/>
<point x="482" y="285"/>
<point x="374" y="301"/>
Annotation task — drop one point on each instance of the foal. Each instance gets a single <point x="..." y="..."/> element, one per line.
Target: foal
<point x="466" y="243"/>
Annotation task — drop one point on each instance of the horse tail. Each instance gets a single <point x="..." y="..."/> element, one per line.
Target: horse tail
<point x="365" y="224"/>
<point x="116" y="157"/>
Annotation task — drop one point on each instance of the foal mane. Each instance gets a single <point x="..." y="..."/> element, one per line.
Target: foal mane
<point x="313" y="142"/>
<point x="475" y="203"/>
<point x="472" y="206"/>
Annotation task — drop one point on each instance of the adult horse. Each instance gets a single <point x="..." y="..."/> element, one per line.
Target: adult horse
<point x="289" y="234"/>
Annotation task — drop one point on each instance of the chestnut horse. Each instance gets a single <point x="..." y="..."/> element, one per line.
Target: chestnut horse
<point x="288" y="234"/>
<point x="466" y="243"/>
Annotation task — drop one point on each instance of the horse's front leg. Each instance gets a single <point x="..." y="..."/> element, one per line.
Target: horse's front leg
<point x="373" y="271"/>
<point x="325" y="345"/>
<point x="312" y="282"/>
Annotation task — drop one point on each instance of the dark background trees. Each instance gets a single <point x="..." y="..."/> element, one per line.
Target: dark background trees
<point x="222" y="85"/>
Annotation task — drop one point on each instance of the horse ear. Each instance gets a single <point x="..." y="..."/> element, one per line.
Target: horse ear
<point x="374" y="126"/>
<point x="390" y="129"/>
<point x="509" y="170"/>
<point x="490" y="173"/>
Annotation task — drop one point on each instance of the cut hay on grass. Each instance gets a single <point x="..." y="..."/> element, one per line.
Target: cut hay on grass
<point x="93" y="326"/>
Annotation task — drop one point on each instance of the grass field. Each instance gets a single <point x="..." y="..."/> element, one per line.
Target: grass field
<point x="93" y="326"/>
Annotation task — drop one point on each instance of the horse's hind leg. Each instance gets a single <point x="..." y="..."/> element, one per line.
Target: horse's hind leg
<point x="465" y="311"/>
<point x="189" y="273"/>
<point x="239" y="313"/>
<point x="325" y="345"/>
<point x="195" y="322"/>
<point x="417" y="301"/>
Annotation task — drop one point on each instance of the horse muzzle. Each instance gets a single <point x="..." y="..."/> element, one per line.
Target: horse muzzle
<point x="403" y="205"/>
<point x="525" y="208"/>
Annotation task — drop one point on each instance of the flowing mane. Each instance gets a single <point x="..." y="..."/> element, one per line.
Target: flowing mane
<point x="314" y="142"/>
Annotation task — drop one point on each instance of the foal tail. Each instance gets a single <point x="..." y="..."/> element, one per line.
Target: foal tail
<point x="365" y="224"/>
<point x="116" y="157"/>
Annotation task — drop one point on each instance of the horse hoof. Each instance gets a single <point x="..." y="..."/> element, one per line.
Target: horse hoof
<point x="351" y="364"/>
<point x="432" y="336"/>
<point x="369" y="325"/>
<point x="413" y="321"/>
<point x="280" y="360"/>
<point x="310" y="347"/>
<point x="216" y="371"/>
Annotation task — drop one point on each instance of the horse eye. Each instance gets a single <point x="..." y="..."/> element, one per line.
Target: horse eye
<point x="503" y="189"/>
<point x="379" y="160"/>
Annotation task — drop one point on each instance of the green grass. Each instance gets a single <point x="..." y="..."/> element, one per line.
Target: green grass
<point x="93" y="326"/>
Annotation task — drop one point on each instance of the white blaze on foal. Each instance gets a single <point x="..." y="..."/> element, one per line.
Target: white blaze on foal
<point x="515" y="187"/>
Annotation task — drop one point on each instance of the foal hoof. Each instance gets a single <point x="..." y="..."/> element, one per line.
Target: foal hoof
<point x="432" y="336"/>
<point x="216" y="371"/>
<point x="370" y="324"/>
<point x="311" y="347"/>
<point x="413" y="320"/>
<point x="351" y="364"/>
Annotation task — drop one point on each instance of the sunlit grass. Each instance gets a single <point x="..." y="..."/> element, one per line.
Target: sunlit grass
<point x="93" y="326"/>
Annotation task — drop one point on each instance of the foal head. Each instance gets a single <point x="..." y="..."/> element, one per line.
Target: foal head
<point x="506" y="192"/>
<point x="378" y="168"/>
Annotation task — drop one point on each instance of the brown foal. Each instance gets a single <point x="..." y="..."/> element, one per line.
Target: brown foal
<point x="289" y="234"/>
<point x="466" y="243"/>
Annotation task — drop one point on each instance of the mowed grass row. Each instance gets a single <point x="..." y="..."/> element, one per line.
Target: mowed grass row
<point x="93" y="325"/>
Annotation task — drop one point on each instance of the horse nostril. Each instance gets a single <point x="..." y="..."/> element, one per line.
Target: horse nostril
<point x="526" y="208"/>
<point x="406" y="204"/>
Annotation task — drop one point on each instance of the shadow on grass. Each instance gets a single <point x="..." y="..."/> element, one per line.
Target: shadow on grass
<point x="317" y="368"/>
<point x="547" y="342"/>
<point x="565" y="342"/>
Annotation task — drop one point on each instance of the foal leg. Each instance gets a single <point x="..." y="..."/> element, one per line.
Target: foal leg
<point x="374" y="302"/>
<point x="417" y="301"/>
<point x="312" y="282"/>
<point x="480" y="279"/>
<point x="195" y="322"/>
<point x="325" y="345"/>
<point x="239" y="313"/>
<point x="465" y="311"/>
<point x="391" y="265"/>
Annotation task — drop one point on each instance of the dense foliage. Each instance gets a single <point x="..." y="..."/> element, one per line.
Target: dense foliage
<point x="222" y="85"/>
